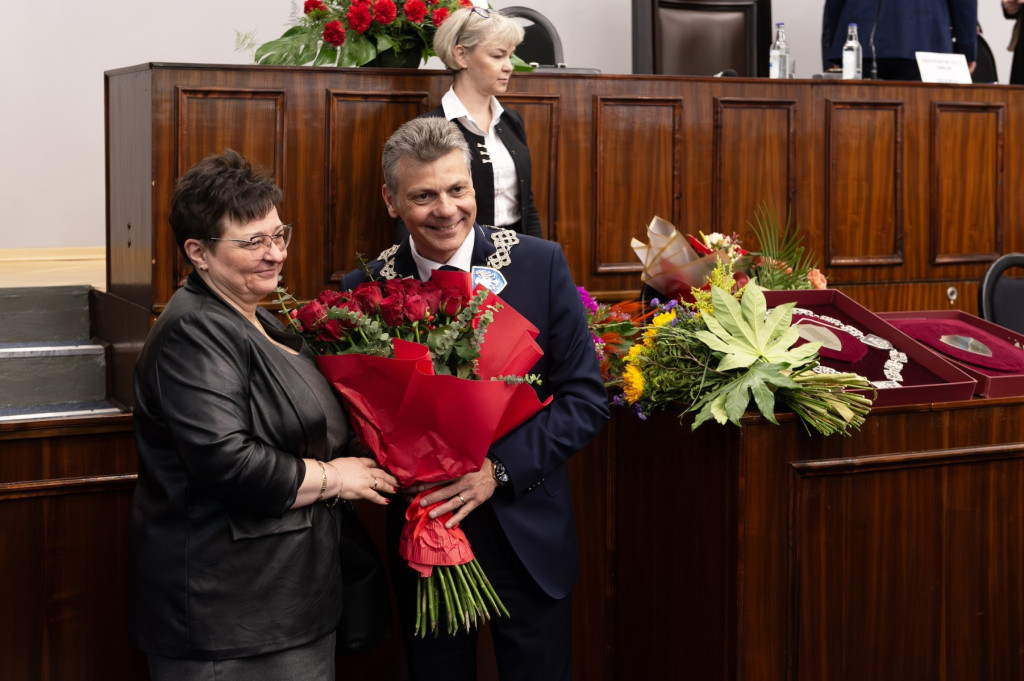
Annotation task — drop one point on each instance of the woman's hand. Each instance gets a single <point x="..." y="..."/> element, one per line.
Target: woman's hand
<point x="360" y="477"/>
<point x="347" y="477"/>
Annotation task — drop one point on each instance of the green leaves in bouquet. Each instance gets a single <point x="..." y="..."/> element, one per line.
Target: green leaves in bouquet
<point x="784" y="261"/>
<point x="298" y="46"/>
<point x="743" y="335"/>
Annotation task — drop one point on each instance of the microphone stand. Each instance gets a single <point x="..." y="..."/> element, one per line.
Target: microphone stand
<point x="871" y="42"/>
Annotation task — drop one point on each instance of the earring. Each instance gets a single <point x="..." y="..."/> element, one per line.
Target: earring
<point x="204" y="267"/>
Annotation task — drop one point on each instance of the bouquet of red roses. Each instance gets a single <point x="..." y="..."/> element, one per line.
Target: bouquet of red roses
<point x="432" y="374"/>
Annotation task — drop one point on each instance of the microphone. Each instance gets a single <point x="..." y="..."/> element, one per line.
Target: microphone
<point x="728" y="73"/>
<point x="871" y="42"/>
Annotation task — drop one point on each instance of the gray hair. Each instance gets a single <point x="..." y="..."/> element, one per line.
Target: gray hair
<point x="424" y="140"/>
<point x="471" y="28"/>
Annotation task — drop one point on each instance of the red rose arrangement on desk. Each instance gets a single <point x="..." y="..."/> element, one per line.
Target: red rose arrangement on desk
<point x="432" y="373"/>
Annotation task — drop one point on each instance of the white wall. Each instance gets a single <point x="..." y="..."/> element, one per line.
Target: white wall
<point x="51" y="83"/>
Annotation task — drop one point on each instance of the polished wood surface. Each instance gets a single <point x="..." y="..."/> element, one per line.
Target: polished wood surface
<point x="763" y="553"/>
<point x="902" y="189"/>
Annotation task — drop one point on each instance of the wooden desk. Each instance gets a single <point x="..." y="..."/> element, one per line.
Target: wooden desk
<point x="764" y="554"/>
<point x="753" y="554"/>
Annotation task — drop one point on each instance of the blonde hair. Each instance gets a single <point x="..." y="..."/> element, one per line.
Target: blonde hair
<point x="472" y="27"/>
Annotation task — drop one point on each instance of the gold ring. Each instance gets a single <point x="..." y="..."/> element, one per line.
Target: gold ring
<point x="462" y="500"/>
<point x="375" y="481"/>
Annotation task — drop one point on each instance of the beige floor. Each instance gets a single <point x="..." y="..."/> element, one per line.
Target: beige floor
<point x="53" y="267"/>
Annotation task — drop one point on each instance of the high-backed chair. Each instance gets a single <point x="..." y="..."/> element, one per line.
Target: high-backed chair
<point x="1001" y="298"/>
<point x="985" y="70"/>
<point x="541" y="45"/>
<point x="701" y="37"/>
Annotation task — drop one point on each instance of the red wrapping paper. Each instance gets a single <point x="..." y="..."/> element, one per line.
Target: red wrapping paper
<point x="424" y="427"/>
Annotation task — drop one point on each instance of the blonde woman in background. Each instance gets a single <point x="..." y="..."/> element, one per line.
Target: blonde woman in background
<point x="477" y="44"/>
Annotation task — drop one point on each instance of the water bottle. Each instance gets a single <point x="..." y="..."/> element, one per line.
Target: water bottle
<point x="853" y="56"/>
<point x="778" y="55"/>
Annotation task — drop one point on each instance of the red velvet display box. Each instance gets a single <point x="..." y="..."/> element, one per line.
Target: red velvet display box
<point x="988" y="385"/>
<point x="927" y="377"/>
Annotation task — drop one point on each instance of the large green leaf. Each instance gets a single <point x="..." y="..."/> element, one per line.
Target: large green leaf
<point x="297" y="46"/>
<point x="745" y="333"/>
<point x="730" y="402"/>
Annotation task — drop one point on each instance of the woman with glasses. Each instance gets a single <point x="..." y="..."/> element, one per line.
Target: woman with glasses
<point x="243" y="456"/>
<point x="477" y="44"/>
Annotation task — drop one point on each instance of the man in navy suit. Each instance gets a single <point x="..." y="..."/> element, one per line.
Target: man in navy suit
<point x="902" y="27"/>
<point x="516" y="510"/>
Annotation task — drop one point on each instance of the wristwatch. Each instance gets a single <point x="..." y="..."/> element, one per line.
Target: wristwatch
<point x="499" y="472"/>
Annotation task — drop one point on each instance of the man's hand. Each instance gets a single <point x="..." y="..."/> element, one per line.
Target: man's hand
<point x="461" y="495"/>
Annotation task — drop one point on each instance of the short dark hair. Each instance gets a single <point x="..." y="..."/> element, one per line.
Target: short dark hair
<point x="424" y="140"/>
<point x="221" y="186"/>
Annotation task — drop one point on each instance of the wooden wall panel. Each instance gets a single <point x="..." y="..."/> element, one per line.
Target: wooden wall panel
<point x="359" y="125"/>
<point x="848" y="513"/>
<point x="754" y="160"/>
<point x="65" y="490"/>
<point x="541" y="116"/>
<point x="967" y="182"/>
<point x="864" y="183"/>
<point x="632" y="186"/>
<point x="250" y="121"/>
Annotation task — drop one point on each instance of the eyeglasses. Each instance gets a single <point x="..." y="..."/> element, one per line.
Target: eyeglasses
<point x="483" y="12"/>
<point x="259" y="245"/>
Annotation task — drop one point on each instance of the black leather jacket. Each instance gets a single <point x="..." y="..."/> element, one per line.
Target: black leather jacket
<point x="221" y="568"/>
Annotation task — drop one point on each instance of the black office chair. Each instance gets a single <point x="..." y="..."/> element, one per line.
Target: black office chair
<point x="541" y="45"/>
<point x="1001" y="299"/>
<point x="985" y="68"/>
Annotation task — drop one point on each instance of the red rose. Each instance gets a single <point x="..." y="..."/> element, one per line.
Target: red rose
<point x="351" y="306"/>
<point x="468" y="4"/>
<point x="411" y="286"/>
<point x="359" y="17"/>
<point x="415" y="11"/>
<point x="330" y="297"/>
<point x="392" y="311"/>
<point x="415" y="308"/>
<point x="313" y="6"/>
<point x="333" y="330"/>
<point x="394" y="287"/>
<point x="432" y="295"/>
<point x="384" y="11"/>
<point x="368" y="295"/>
<point x="439" y="15"/>
<point x="334" y="33"/>
<point x="451" y="302"/>
<point x="312" y="315"/>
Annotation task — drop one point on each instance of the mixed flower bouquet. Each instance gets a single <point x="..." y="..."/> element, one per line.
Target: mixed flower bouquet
<point x="674" y="265"/>
<point x="355" y="32"/>
<point x="432" y="373"/>
<point x="723" y="351"/>
<point x="713" y="346"/>
<point x="612" y="328"/>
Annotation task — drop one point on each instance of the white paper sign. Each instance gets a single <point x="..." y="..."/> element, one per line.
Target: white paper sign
<point x="937" y="67"/>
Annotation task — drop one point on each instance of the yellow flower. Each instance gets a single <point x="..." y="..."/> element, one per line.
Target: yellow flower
<point x="664" y="318"/>
<point x="633" y="384"/>
<point x="634" y="354"/>
<point x="649" y="335"/>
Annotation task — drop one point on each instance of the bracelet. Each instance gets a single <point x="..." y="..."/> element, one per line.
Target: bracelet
<point x="323" y="483"/>
<point x="331" y="503"/>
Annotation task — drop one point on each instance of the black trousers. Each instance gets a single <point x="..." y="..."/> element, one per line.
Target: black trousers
<point x="533" y="644"/>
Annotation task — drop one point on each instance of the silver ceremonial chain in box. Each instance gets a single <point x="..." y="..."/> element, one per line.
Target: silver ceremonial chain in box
<point x="893" y="367"/>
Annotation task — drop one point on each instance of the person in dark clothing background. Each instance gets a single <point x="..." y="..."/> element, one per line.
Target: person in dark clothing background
<point x="901" y="28"/>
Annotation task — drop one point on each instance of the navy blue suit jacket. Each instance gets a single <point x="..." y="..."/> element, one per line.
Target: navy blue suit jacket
<point x="903" y="28"/>
<point x="535" y="509"/>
